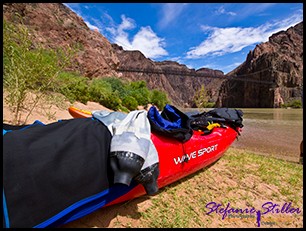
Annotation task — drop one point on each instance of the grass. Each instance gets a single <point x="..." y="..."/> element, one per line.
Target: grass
<point x="240" y="178"/>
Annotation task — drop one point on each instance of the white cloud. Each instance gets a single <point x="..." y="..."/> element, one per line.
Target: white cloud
<point x="250" y="9"/>
<point x="190" y="66"/>
<point x="109" y="24"/>
<point x="286" y="23"/>
<point x="170" y="12"/>
<point x="149" y="43"/>
<point x="76" y="8"/>
<point x="92" y="27"/>
<point x="221" y="10"/>
<point x="232" y="39"/>
<point x="223" y="68"/>
<point x="176" y="59"/>
<point x="230" y="67"/>
<point x="145" y="40"/>
<point x="120" y="36"/>
<point x="127" y="24"/>
<point x="107" y="19"/>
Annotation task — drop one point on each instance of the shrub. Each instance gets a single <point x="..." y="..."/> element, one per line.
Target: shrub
<point x="139" y="91"/>
<point x="293" y="104"/>
<point x="159" y="98"/>
<point x="209" y="105"/>
<point x="26" y="69"/>
<point x="296" y="104"/>
<point x="73" y="86"/>
<point x="200" y="98"/>
<point x="117" y="85"/>
<point x="101" y="91"/>
<point x="130" y="102"/>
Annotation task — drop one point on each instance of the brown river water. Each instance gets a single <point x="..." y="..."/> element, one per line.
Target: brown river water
<point x="274" y="132"/>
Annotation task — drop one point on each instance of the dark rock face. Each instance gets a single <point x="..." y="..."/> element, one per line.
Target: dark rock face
<point x="54" y="25"/>
<point x="275" y="71"/>
<point x="176" y="79"/>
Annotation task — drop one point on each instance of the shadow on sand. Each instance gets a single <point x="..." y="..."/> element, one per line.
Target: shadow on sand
<point x="104" y="216"/>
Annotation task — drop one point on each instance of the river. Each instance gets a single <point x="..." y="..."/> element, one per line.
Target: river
<point x="275" y="132"/>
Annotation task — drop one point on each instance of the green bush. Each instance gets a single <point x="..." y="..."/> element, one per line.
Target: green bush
<point x="139" y="91"/>
<point x="113" y="101"/>
<point x="117" y="85"/>
<point x="28" y="70"/>
<point x="159" y="98"/>
<point x="73" y="86"/>
<point x="209" y="105"/>
<point x="123" y="109"/>
<point x="130" y="102"/>
<point x="200" y="98"/>
<point x="101" y="91"/>
<point x="296" y="104"/>
<point x="293" y="104"/>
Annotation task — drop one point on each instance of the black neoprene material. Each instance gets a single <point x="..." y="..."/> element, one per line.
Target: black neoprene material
<point x="125" y="166"/>
<point x="48" y="168"/>
<point x="148" y="178"/>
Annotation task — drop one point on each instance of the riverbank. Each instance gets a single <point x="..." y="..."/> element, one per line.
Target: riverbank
<point x="276" y="132"/>
<point x="272" y="132"/>
<point x="46" y="112"/>
<point x="240" y="178"/>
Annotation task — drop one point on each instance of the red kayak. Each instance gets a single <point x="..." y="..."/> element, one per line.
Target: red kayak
<point x="176" y="159"/>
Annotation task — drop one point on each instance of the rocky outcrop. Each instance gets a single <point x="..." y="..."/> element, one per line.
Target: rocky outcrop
<point x="179" y="81"/>
<point x="271" y="75"/>
<point x="54" y="25"/>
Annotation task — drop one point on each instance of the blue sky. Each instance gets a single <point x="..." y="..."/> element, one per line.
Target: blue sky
<point x="211" y="35"/>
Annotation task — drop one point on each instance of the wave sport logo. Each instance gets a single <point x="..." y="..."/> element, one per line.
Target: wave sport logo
<point x="268" y="207"/>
